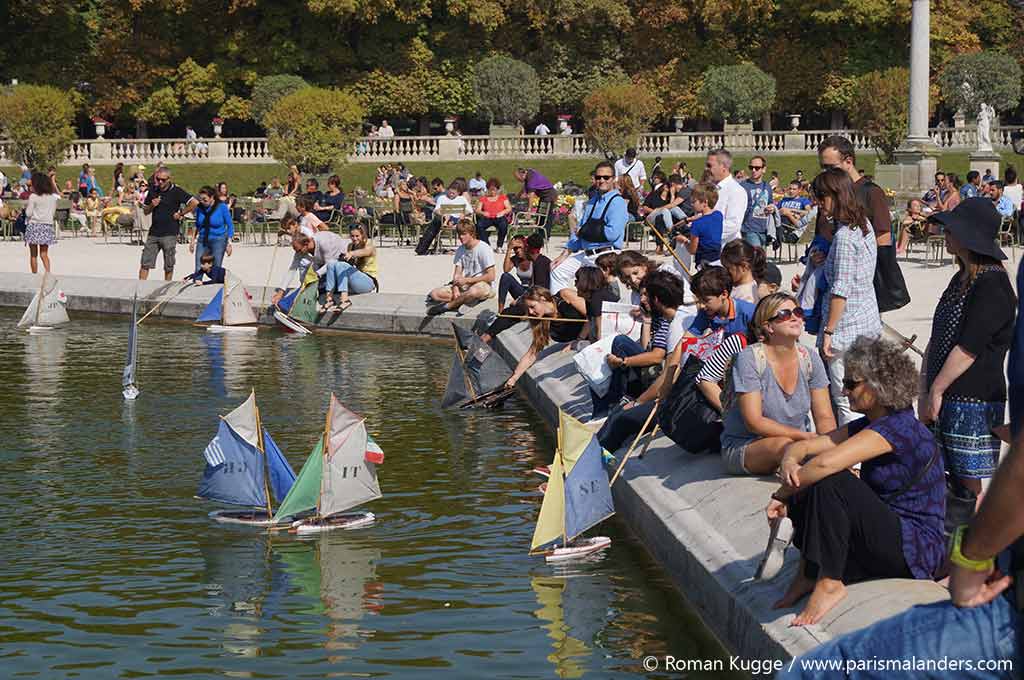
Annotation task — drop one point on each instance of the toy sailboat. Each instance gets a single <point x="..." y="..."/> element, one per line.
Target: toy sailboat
<point x="230" y="307"/>
<point x="243" y="467"/>
<point x="128" y="379"/>
<point x="298" y="308"/>
<point x="478" y="374"/>
<point x="577" y="496"/>
<point x="339" y="474"/>
<point x="47" y="309"/>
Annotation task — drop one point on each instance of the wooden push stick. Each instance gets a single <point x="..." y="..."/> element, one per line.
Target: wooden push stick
<point x="647" y="444"/>
<point x="635" y="441"/>
<point x="541" y="318"/>
<point x="163" y="302"/>
<point x="270" y="274"/>
<point x="465" y="376"/>
<point x="672" y="252"/>
<point x="908" y="343"/>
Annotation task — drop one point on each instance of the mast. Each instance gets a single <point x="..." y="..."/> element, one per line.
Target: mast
<point x="39" y="303"/>
<point x="326" y="448"/>
<point x="223" y="318"/>
<point x="266" y="466"/>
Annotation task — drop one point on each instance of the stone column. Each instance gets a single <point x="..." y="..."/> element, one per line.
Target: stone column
<point x="919" y="64"/>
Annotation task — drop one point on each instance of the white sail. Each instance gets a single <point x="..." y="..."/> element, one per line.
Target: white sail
<point x="244" y="422"/>
<point x="128" y="375"/>
<point x="47" y="307"/>
<point x="237" y="309"/>
<point x="348" y="478"/>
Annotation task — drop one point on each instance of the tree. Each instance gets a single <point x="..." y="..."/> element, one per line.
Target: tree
<point x="507" y="90"/>
<point x="616" y="115"/>
<point x="878" y="108"/>
<point x="267" y="91"/>
<point x="198" y="86"/>
<point x="989" y="77"/>
<point x="738" y="93"/>
<point x="314" y="128"/>
<point x="235" y="108"/>
<point x="160" y="108"/>
<point x="38" y="119"/>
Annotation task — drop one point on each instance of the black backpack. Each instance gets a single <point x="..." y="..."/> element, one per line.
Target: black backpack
<point x="686" y="417"/>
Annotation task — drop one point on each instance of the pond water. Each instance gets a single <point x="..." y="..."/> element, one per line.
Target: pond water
<point x="112" y="569"/>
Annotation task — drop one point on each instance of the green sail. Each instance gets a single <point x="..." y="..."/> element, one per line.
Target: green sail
<point x="305" y="492"/>
<point x="304" y="308"/>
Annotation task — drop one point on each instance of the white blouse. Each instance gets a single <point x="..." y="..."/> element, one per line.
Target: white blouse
<point x="40" y="208"/>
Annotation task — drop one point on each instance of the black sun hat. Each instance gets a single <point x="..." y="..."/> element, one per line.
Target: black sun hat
<point x="975" y="224"/>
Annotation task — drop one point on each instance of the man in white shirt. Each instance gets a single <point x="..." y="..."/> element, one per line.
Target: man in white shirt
<point x="542" y="129"/>
<point x="385" y="130"/>
<point x="472" y="276"/>
<point x="732" y="198"/>
<point x="477" y="185"/>
<point x="450" y="198"/>
<point x="630" y="165"/>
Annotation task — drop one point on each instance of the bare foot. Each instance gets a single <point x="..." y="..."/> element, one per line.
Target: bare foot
<point x="827" y="594"/>
<point x="800" y="586"/>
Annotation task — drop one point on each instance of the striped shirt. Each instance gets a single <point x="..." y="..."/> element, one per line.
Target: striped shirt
<point x="713" y="370"/>
<point x="659" y="333"/>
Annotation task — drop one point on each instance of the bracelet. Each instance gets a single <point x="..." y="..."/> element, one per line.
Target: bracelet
<point x="828" y="331"/>
<point x="777" y="497"/>
<point x="958" y="558"/>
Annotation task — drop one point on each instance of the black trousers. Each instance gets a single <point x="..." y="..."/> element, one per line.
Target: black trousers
<point x="429" y="235"/>
<point x="845" y="531"/>
<point x="623" y="426"/>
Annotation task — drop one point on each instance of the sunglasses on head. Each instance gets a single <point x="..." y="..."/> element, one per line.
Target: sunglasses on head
<point x="787" y="314"/>
<point x="849" y="384"/>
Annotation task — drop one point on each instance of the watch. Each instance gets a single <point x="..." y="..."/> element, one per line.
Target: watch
<point x="828" y="331"/>
<point x="957" y="557"/>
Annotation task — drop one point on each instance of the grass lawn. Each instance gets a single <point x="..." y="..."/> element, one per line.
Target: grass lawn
<point x="245" y="178"/>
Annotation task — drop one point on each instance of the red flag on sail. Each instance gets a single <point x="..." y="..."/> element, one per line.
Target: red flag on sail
<point x="374" y="454"/>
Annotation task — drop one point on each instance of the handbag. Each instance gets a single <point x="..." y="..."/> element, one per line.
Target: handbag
<point x="686" y="417"/>
<point x="617" y="319"/>
<point x="590" y="362"/>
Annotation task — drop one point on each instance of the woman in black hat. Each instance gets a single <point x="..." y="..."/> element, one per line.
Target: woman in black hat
<point x="963" y="386"/>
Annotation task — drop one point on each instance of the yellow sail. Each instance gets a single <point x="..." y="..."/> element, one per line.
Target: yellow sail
<point x="573" y="440"/>
<point x="550" y="522"/>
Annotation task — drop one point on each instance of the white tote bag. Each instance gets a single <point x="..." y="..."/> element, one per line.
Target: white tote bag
<point x="590" y="361"/>
<point x="617" y="319"/>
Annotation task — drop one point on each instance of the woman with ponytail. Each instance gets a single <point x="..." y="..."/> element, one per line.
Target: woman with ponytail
<point x="747" y="266"/>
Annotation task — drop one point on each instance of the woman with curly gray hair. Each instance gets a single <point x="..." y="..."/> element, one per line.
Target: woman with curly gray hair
<point x="886" y="523"/>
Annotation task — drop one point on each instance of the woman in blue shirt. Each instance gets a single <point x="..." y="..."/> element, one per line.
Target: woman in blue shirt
<point x="214" y="229"/>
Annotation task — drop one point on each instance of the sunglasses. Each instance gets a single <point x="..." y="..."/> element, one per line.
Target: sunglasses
<point x="849" y="384"/>
<point x="603" y="177"/>
<point x="787" y="314"/>
<point x="755" y="167"/>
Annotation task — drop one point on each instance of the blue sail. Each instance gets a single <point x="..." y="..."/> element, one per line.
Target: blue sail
<point x="288" y="300"/>
<point x="214" y="309"/>
<point x="234" y="470"/>
<point x="588" y="498"/>
<point x="281" y="474"/>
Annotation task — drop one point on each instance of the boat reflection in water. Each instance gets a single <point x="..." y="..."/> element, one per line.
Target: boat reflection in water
<point x="229" y="356"/>
<point x="338" y="577"/>
<point x="575" y="607"/>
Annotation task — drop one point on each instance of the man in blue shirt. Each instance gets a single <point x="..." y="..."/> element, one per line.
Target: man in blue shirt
<point x="759" y="203"/>
<point x="602" y="230"/>
<point x="972" y="188"/>
<point x="1004" y="206"/>
<point x="712" y="287"/>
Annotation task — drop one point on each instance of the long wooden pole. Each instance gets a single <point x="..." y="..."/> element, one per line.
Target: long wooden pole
<point x="672" y="251"/>
<point x="270" y="273"/>
<point x="541" y="318"/>
<point x="908" y="343"/>
<point x="635" y="441"/>
<point x="266" y="465"/>
<point x="163" y="302"/>
<point x="647" y="444"/>
<point x="465" y="376"/>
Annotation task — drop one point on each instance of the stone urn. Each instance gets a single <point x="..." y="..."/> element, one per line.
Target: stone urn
<point x="218" y="127"/>
<point x="794" y="122"/>
<point x="449" y="124"/>
<point x="101" y="126"/>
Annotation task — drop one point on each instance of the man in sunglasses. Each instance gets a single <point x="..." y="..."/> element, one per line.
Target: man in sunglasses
<point x="164" y="203"/>
<point x="759" y="204"/>
<point x="601" y="230"/>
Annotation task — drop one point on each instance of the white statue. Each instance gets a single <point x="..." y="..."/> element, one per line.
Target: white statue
<point x="985" y="116"/>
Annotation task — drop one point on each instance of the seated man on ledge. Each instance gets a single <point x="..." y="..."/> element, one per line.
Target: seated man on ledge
<point x="472" y="276"/>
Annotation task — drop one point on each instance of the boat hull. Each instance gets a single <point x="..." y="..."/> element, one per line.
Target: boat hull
<point x="578" y="549"/>
<point x="130" y="393"/>
<point x="347" y="521"/>
<point x="252" y="518"/>
<point x="218" y="328"/>
<point x="290" y="324"/>
<point x="38" y="330"/>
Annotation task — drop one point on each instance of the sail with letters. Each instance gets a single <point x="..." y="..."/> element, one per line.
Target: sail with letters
<point x="477" y="370"/>
<point x="48" y="308"/>
<point x="245" y="467"/>
<point x="577" y="496"/>
<point x="340" y="474"/>
<point x="230" y="310"/>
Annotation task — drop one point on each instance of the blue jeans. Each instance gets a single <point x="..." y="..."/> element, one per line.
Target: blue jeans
<point x="664" y="219"/>
<point x="509" y="284"/>
<point x="213" y="246"/>
<point x="499" y="223"/>
<point x="756" y="239"/>
<point x="926" y="633"/>
<point x="344" y="277"/>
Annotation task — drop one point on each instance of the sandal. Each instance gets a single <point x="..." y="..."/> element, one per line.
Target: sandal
<point x="343" y="305"/>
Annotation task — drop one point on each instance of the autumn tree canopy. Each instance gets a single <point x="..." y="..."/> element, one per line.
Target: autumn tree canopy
<point x="171" y="62"/>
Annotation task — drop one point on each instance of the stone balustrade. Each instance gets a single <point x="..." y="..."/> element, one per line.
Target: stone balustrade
<point x="243" y="150"/>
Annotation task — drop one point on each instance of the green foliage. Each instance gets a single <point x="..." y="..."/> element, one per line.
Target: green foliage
<point x="737" y="93"/>
<point x="991" y="77"/>
<point x="38" y="119"/>
<point x="838" y="91"/>
<point x="266" y="91"/>
<point x="616" y="115"/>
<point x="314" y="128"/>
<point x="878" y="108"/>
<point x="235" y="108"/>
<point x="198" y="86"/>
<point x="507" y="90"/>
<point x="160" y="108"/>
